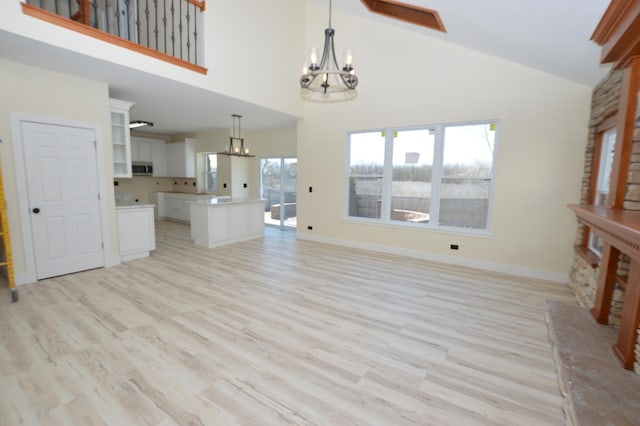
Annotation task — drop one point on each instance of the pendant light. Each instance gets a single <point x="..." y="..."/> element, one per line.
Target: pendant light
<point x="326" y="76"/>
<point x="236" y="141"/>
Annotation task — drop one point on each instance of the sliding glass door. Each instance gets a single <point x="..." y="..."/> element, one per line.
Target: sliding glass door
<point x="278" y="180"/>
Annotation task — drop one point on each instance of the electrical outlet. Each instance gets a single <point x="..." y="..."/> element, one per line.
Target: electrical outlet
<point x="310" y="189"/>
<point x="116" y="183"/>
<point x="310" y="228"/>
<point x="454" y="247"/>
<point x="244" y="185"/>
<point x="224" y="185"/>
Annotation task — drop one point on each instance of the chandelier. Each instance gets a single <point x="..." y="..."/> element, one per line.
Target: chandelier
<point x="236" y="138"/>
<point x="326" y="76"/>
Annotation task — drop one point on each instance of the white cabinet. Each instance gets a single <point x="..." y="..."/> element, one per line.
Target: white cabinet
<point x="141" y="149"/>
<point x="159" y="159"/>
<point x="220" y="222"/>
<point x="181" y="158"/>
<point x="120" y="137"/>
<point x="176" y="206"/>
<point x="136" y="231"/>
<point x="150" y="150"/>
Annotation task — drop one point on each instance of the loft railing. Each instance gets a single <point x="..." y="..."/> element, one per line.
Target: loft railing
<point x="171" y="27"/>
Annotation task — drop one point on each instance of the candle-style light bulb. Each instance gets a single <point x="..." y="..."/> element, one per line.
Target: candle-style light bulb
<point x="348" y="58"/>
<point x="313" y="57"/>
<point x="305" y="69"/>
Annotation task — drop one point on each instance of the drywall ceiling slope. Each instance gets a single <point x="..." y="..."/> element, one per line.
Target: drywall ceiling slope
<point x="549" y="35"/>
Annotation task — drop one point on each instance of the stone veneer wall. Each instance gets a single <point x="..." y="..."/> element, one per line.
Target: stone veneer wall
<point x="583" y="278"/>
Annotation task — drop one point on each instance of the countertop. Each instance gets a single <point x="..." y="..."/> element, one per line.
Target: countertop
<point x="199" y="194"/>
<point x="226" y="200"/>
<point x="123" y="206"/>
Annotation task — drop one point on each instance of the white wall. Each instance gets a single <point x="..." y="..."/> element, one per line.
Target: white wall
<point x="253" y="49"/>
<point x="262" y="143"/>
<point x="408" y="79"/>
<point x="30" y="90"/>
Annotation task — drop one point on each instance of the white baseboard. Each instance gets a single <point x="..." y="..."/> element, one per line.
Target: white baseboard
<point x="112" y="261"/>
<point x="520" y="271"/>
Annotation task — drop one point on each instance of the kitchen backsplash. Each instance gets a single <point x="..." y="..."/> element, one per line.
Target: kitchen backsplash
<point x="140" y="188"/>
<point x="184" y="185"/>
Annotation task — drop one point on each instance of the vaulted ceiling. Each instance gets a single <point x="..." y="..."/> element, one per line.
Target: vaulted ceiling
<point x="549" y="35"/>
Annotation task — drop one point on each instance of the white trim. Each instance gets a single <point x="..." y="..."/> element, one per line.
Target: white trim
<point x="521" y="271"/>
<point x="17" y="119"/>
<point x="398" y="224"/>
<point x="437" y="170"/>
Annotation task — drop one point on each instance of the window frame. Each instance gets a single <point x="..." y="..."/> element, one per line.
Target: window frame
<point x="206" y="172"/>
<point x="605" y="141"/>
<point x="437" y="176"/>
<point x="585" y="248"/>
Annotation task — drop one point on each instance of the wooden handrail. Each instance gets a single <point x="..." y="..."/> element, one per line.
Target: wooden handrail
<point x="197" y="3"/>
<point x="38" y="13"/>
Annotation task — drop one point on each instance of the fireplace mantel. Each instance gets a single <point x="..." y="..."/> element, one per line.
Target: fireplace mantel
<point x="620" y="230"/>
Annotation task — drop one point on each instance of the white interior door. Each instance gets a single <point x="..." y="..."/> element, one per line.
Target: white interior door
<point x="62" y="186"/>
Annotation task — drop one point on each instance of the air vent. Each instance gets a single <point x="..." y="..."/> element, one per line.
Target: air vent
<point x="406" y="12"/>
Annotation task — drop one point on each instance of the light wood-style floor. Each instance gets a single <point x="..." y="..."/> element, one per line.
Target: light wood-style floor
<point x="278" y="331"/>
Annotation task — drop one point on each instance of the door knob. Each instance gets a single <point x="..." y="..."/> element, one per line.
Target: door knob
<point x="36" y="210"/>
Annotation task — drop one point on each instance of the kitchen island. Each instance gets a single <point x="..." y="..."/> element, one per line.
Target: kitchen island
<point x="219" y="221"/>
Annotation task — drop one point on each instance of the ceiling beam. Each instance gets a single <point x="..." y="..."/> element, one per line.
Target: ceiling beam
<point x="406" y="12"/>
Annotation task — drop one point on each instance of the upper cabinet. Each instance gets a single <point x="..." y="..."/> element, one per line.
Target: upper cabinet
<point x="120" y="138"/>
<point x="181" y="158"/>
<point x="150" y="150"/>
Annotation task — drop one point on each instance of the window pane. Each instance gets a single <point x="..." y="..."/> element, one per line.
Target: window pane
<point x="468" y="150"/>
<point x="466" y="169"/>
<point x="211" y="172"/>
<point x="411" y="175"/>
<point x="365" y="196"/>
<point x="366" y="154"/>
<point x="464" y="203"/>
<point x="606" y="161"/>
<point x="270" y="172"/>
<point x="366" y="162"/>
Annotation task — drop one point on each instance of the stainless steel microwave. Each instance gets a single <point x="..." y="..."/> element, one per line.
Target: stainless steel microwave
<point x="139" y="168"/>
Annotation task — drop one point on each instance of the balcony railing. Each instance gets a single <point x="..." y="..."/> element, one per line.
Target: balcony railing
<point x="171" y="27"/>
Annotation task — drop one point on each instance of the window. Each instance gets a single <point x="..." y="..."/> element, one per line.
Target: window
<point x="602" y="179"/>
<point x="210" y="172"/>
<point x="438" y="176"/>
